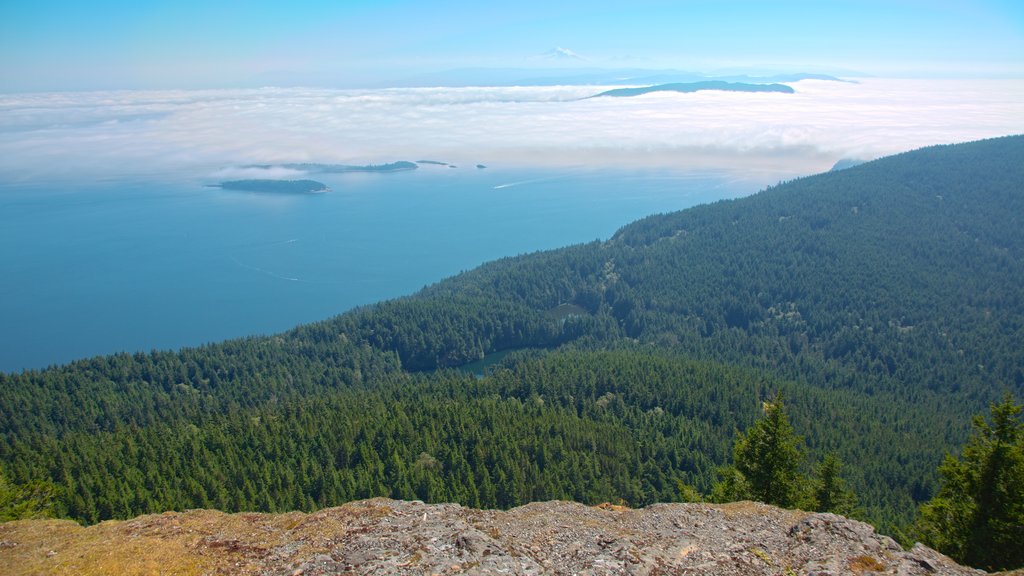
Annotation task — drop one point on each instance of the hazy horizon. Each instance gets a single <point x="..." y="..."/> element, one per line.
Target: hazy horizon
<point x="57" y="45"/>
<point x="197" y="135"/>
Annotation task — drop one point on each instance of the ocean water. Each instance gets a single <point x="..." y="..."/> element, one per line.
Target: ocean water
<point x="101" y="267"/>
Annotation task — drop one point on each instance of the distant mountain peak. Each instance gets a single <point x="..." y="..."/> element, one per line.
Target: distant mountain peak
<point x="560" y="53"/>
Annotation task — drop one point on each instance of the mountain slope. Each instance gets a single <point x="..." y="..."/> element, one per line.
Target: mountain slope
<point x="886" y="301"/>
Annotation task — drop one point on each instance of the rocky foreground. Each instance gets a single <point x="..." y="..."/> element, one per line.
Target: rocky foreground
<point x="392" y="537"/>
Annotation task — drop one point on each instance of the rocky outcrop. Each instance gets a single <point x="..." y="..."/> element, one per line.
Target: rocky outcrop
<point x="392" y="537"/>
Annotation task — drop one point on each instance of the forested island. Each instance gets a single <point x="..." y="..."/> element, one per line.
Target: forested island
<point x="866" y="314"/>
<point x="276" y="186"/>
<point x="687" y="87"/>
<point x="400" y="166"/>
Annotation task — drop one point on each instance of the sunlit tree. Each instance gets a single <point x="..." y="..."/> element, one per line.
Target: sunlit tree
<point x="765" y="462"/>
<point x="977" y="517"/>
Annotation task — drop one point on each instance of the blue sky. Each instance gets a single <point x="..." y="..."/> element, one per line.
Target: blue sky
<point x="103" y="44"/>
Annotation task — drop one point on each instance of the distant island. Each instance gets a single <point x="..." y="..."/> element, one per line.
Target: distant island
<point x="463" y="77"/>
<point x="845" y="163"/>
<point x="276" y="186"/>
<point x="687" y="87"/>
<point x="434" y="162"/>
<point x="399" y="166"/>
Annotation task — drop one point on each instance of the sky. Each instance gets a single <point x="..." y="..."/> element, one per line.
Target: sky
<point x="61" y="45"/>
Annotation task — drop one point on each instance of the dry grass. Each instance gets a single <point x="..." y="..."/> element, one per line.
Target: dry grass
<point x="63" y="547"/>
<point x="861" y="564"/>
<point x="172" y="544"/>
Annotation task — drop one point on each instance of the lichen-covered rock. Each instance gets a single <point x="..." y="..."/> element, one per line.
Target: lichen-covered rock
<point x="391" y="537"/>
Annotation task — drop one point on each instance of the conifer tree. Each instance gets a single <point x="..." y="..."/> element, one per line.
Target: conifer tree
<point x="766" y="459"/>
<point x="830" y="491"/>
<point x="769" y="455"/>
<point x="977" y="517"/>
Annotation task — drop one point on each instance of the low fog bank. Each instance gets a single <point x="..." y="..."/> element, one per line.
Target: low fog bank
<point x="199" y="134"/>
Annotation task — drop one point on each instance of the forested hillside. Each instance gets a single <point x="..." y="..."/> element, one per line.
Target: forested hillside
<point x="885" y="302"/>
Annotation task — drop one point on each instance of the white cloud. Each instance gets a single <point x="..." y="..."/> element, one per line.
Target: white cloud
<point x="196" y="133"/>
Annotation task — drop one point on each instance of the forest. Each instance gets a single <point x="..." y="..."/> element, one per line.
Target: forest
<point x="883" y="302"/>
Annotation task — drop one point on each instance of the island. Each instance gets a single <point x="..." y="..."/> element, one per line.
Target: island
<point x="313" y="167"/>
<point x="686" y="87"/>
<point x="276" y="186"/>
<point x="434" y="162"/>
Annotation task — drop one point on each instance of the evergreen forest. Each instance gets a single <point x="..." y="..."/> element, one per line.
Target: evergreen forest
<point x="883" y="303"/>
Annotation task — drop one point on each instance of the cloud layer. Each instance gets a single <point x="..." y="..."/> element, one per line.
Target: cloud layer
<point x="196" y="133"/>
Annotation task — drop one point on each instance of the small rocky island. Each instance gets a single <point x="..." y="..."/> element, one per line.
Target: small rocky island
<point x="276" y="186"/>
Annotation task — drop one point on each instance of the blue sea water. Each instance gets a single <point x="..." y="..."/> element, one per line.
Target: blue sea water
<point x="100" y="267"/>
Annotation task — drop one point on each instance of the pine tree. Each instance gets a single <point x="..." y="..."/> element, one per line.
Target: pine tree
<point x="977" y="517"/>
<point x="768" y="457"/>
<point x="830" y="491"/>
